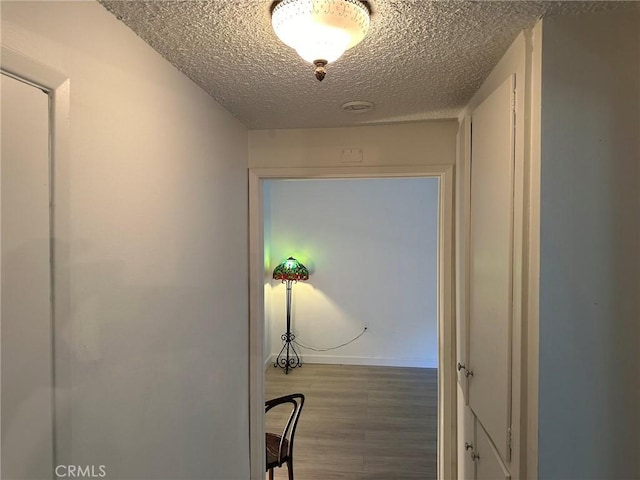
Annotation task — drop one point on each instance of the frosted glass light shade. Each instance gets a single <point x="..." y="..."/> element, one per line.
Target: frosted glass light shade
<point x="320" y="29"/>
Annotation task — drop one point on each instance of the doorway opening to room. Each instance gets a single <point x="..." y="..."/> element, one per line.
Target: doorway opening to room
<point x="377" y="244"/>
<point x="364" y="323"/>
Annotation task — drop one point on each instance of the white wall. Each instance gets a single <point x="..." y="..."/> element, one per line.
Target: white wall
<point x="419" y="143"/>
<point x="589" y="278"/>
<point x="152" y="220"/>
<point x="371" y="247"/>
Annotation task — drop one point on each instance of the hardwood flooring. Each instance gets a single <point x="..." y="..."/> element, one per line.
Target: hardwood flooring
<point x="360" y="422"/>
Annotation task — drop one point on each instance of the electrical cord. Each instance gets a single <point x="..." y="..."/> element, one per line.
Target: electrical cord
<point x="331" y="348"/>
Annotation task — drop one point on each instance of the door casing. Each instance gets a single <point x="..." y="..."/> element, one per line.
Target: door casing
<point x="447" y="453"/>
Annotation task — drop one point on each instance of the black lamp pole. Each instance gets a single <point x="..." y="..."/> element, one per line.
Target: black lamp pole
<point x="291" y="359"/>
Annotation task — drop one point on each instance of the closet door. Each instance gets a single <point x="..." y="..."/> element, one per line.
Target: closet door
<point x="467" y="445"/>
<point x="488" y="463"/>
<point x="25" y="285"/>
<point x="491" y="240"/>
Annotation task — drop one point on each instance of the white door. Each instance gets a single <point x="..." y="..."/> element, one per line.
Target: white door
<point x="491" y="240"/>
<point x="466" y="443"/>
<point x="488" y="463"/>
<point x="25" y="285"/>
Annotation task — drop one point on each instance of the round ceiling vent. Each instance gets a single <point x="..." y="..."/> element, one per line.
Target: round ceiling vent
<point x="357" y="107"/>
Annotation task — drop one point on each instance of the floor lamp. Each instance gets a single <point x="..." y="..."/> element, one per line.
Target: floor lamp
<point x="288" y="272"/>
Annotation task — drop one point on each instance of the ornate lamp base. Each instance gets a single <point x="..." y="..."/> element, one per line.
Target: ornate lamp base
<point x="288" y="357"/>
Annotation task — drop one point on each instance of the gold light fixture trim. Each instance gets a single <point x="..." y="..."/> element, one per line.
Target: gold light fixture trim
<point x="320" y="30"/>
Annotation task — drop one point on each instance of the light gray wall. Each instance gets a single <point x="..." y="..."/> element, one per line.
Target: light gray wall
<point x="589" y="276"/>
<point x="151" y="371"/>
<point x="371" y="247"/>
<point x="413" y="143"/>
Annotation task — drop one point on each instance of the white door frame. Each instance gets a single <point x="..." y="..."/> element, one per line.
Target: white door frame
<point x="447" y="454"/>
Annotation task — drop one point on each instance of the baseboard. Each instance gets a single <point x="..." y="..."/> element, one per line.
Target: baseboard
<point x="371" y="361"/>
<point x="268" y="362"/>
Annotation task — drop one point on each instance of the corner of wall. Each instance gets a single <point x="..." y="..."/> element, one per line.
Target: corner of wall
<point x="531" y="288"/>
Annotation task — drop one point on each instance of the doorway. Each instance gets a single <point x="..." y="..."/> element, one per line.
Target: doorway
<point x="364" y="323"/>
<point x="370" y="246"/>
<point x="446" y="340"/>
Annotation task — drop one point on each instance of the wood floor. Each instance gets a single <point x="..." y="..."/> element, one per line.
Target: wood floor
<point x="359" y="422"/>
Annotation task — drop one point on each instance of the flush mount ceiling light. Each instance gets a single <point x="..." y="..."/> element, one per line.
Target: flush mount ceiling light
<point x="320" y="30"/>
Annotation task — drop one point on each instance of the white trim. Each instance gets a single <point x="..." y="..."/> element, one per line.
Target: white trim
<point x="463" y="259"/>
<point x="33" y="71"/>
<point x="447" y="454"/>
<point x="531" y="304"/>
<point x="256" y="331"/>
<point x="371" y="361"/>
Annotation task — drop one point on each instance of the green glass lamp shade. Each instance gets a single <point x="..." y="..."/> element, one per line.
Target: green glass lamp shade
<point x="291" y="269"/>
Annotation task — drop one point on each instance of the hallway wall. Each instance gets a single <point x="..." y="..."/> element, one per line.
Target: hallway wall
<point x="151" y="355"/>
<point x="589" y="258"/>
<point x="415" y="143"/>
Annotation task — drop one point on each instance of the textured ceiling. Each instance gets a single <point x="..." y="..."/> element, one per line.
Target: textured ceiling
<point x="420" y="60"/>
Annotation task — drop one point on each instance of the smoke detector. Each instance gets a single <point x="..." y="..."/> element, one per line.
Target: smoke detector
<point x="357" y="106"/>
